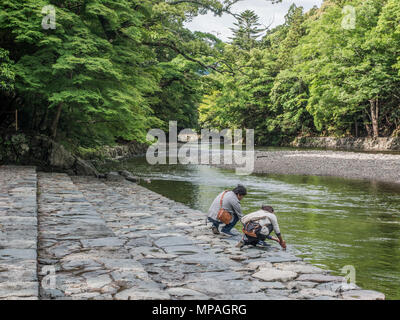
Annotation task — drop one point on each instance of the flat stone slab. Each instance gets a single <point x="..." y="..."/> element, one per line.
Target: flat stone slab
<point x="244" y="296"/>
<point x="337" y="286"/>
<point x="320" y="278"/>
<point x="272" y="285"/>
<point x="173" y="241"/>
<point x="63" y="248"/>
<point x="259" y="264"/>
<point x="18" y="254"/>
<point x="298" y="285"/>
<point x="310" y="293"/>
<point x="184" y="250"/>
<point x="161" y="255"/>
<point x="299" y="268"/>
<point x="152" y="261"/>
<point x="363" y="295"/>
<point x="278" y="259"/>
<point x="185" y="292"/>
<point x="97" y="281"/>
<point x="213" y="287"/>
<point x="225" y="275"/>
<point x="102" y="242"/>
<point x="121" y="264"/>
<point x="18" y="290"/>
<point x="196" y="268"/>
<point x="80" y="263"/>
<point x="272" y="274"/>
<point x="137" y="294"/>
<point x="238" y="257"/>
<point x="162" y="235"/>
<point x="207" y="260"/>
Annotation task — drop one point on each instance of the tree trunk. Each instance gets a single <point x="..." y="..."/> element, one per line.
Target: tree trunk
<point x="43" y="121"/>
<point x="356" y="127"/>
<point x="33" y="121"/>
<point x="375" y="116"/>
<point x="367" y="124"/>
<point x="53" y="129"/>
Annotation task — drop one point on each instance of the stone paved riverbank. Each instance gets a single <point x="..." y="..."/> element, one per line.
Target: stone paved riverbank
<point x="18" y="233"/>
<point x="99" y="239"/>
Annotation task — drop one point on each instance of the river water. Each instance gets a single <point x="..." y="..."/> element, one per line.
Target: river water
<point x="330" y="222"/>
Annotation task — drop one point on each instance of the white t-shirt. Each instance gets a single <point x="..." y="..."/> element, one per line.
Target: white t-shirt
<point x="264" y="218"/>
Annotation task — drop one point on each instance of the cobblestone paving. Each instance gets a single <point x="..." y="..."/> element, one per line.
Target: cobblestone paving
<point x="18" y="233"/>
<point x="85" y="238"/>
<point x="89" y="260"/>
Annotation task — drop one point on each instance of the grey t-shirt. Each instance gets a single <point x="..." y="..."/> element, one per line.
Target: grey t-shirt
<point x="230" y="203"/>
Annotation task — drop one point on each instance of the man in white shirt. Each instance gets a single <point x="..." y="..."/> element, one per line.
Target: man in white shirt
<point x="257" y="227"/>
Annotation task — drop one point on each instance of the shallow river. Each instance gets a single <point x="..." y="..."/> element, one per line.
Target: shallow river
<point x="330" y="222"/>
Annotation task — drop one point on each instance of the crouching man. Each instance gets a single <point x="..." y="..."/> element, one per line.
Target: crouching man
<point x="257" y="227"/>
<point x="229" y="201"/>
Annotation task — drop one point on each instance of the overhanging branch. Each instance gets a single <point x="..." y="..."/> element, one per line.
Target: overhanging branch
<point x="183" y="54"/>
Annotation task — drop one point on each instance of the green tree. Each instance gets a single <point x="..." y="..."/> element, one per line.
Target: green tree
<point x="312" y="76"/>
<point x="7" y="74"/>
<point x="7" y="93"/>
<point x="179" y="94"/>
<point x="87" y="74"/>
<point x="247" y="30"/>
<point x="349" y="79"/>
<point x="385" y="39"/>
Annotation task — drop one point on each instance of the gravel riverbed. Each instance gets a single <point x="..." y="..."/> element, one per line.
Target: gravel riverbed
<point x="354" y="165"/>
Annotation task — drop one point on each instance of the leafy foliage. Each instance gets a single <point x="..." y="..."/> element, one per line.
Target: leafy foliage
<point x="312" y="76"/>
<point x="111" y="70"/>
<point x="247" y="30"/>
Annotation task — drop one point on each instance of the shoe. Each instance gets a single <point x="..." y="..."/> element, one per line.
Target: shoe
<point x="215" y="230"/>
<point x="228" y="233"/>
<point x="264" y="244"/>
<point x="240" y="244"/>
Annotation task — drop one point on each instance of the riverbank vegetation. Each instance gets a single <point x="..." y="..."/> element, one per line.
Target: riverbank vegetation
<point x="314" y="75"/>
<point x="111" y="70"/>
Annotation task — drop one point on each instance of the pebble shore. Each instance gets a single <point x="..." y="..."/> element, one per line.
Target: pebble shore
<point x="83" y="238"/>
<point x="354" y="165"/>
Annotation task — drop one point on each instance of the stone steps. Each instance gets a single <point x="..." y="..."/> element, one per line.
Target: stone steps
<point x="18" y="233"/>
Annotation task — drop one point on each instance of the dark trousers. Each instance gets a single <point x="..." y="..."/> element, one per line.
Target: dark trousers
<point x="248" y="240"/>
<point x="227" y="227"/>
<point x="253" y="241"/>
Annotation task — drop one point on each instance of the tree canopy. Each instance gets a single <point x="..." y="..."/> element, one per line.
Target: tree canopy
<point x="111" y="70"/>
<point x="313" y="76"/>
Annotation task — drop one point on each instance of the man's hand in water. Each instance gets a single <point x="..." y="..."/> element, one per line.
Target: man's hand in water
<point x="282" y="242"/>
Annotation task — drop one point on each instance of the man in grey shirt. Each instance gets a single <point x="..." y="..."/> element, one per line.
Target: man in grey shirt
<point x="231" y="203"/>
